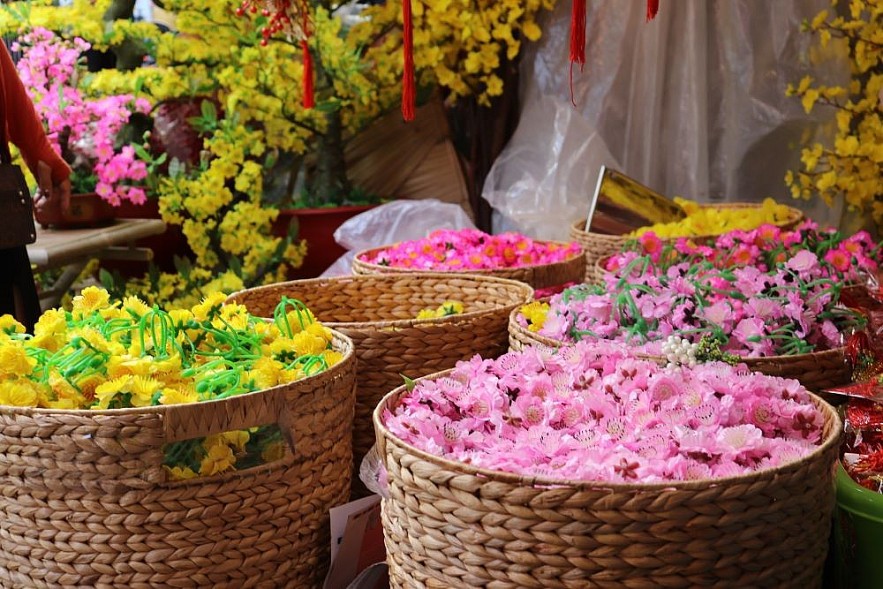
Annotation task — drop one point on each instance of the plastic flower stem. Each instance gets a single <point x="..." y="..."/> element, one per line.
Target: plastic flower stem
<point x="280" y="316"/>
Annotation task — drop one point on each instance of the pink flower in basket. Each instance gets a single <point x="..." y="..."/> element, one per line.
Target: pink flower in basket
<point x="593" y="412"/>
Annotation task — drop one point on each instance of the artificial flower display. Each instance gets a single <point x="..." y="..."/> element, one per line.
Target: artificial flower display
<point x="86" y="131"/>
<point x="470" y="249"/>
<point x="102" y="355"/>
<point x="792" y="309"/>
<point x="847" y="258"/>
<point x="593" y="412"/>
<point x="709" y="220"/>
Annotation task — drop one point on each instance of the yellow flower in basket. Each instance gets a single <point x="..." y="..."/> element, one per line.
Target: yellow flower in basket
<point x="108" y="355"/>
<point x="535" y="313"/>
<point x="711" y="220"/>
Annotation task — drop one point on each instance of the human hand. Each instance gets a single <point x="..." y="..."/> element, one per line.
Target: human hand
<point x="49" y="195"/>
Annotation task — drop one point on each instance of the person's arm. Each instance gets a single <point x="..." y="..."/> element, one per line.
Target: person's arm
<point x="25" y="128"/>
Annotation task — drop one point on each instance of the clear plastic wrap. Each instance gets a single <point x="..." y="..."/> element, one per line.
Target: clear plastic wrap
<point x="395" y="221"/>
<point x="691" y="104"/>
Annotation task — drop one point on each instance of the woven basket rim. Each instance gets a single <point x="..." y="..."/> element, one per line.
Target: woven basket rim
<point x="795" y="215"/>
<point x="525" y="290"/>
<point x="827" y="411"/>
<point x="343" y="340"/>
<point x="389" y="269"/>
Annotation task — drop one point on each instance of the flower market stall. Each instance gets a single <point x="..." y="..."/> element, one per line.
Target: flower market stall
<point x="674" y="381"/>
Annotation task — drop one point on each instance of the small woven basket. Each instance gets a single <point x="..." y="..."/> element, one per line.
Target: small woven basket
<point x="447" y="524"/>
<point x="539" y="276"/>
<point x="816" y="371"/>
<point x="599" y="245"/>
<point x="87" y="502"/>
<point x="378" y="312"/>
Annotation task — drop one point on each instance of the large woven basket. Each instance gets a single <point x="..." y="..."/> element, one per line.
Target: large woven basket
<point x="599" y="245"/>
<point x="87" y="503"/>
<point x="816" y="371"/>
<point x="378" y="312"/>
<point x="539" y="276"/>
<point x="448" y="524"/>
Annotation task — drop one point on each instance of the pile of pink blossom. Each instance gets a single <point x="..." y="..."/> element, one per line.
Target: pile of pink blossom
<point x="82" y="129"/>
<point x="470" y="249"/>
<point x="847" y="258"/>
<point x="792" y="309"/>
<point x="592" y="412"/>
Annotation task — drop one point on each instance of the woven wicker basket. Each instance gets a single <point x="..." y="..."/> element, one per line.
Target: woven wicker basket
<point x="86" y="502"/>
<point x="599" y="245"/>
<point x="378" y="312"/>
<point x="540" y="276"/>
<point x="816" y="371"/>
<point x="448" y="524"/>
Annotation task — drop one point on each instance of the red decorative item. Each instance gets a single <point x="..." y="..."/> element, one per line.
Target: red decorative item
<point x="309" y="98"/>
<point x="652" y="9"/>
<point x="409" y="92"/>
<point x="578" y="34"/>
<point x="291" y="17"/>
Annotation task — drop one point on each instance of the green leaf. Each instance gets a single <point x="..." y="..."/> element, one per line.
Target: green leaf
<point x="106" y="279"/>
<point x="409" y="383"/>
<point x="183" y="266"/>
<point x="209" y="112"/>
<point x="142" y="153"/>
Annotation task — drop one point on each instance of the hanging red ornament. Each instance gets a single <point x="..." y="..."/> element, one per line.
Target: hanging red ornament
<point x="578" y="33"/>
<point x="309" y="98"/>
<point x="409" y="92"/>
<point x="652" y="9"/>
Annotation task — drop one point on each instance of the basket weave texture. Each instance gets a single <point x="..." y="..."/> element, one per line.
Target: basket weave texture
<point x="816" y="371"/>
<point x="539" y="276"/>
<point x="378" y="312"/>
<point x="448" y="524"/>
<point x="86" y="502"/>
<point x="599" y="245"/>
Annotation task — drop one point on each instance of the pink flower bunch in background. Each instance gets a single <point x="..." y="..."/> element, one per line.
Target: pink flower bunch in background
<point x="471" y="249"/>
<point x="592" y="412"/>
<point x="793" y="309"/>
<point x="847" y="258"/>
<point x="82" y="129"/>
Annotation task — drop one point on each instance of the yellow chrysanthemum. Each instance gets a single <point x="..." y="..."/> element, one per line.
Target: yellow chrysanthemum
<point x="180" y="473"/>
<point x="18" y="393"/>
<point x="219" y="458"/>
<point x="89" y="300"/>
<point x="8" y="324"/>
<point x="209" y="305"/>
<point x="307" y="344"/>
<point x="178" y="396"/>
<point x="14" y="360"/>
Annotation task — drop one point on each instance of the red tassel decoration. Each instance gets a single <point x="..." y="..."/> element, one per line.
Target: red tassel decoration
<point x="652" y="9"/>
<point x="578" y="33"/>
<point x="309" y="98"/>
<point x="409" y="92"/>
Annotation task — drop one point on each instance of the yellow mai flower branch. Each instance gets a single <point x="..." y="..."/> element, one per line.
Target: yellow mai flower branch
<point x="254" y="128"/>
<point x="851" y="168"/>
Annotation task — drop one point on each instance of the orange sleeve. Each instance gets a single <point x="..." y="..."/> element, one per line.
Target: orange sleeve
<point x="24" y="126"/>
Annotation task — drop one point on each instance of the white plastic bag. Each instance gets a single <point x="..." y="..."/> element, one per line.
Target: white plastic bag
<point x="395" y="221"/>
<point x="691" y="104"/>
